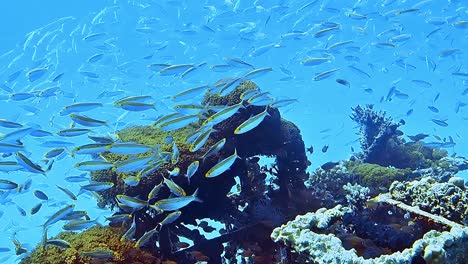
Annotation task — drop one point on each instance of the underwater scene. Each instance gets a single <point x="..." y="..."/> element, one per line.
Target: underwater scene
<point x="234" y="131"/>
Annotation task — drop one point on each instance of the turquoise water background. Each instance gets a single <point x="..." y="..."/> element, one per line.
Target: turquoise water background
<point x="387" y="45"/>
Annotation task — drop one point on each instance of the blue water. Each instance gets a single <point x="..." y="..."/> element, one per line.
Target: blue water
<point x="388" y="45"/>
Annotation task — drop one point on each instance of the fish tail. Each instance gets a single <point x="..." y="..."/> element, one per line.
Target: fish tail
<point x="195" y="195"/>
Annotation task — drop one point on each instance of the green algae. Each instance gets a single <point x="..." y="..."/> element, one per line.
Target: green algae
<point x="376" y="176"/>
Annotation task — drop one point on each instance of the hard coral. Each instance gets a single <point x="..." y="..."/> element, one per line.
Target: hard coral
<point x="92" y="239"/>
<point x="445" y="199"/>
<point x="310" y="240"/>
<point x="381" y="142"/>
<point x="375" y="131"/>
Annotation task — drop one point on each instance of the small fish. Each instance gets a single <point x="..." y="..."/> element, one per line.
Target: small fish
<point x="418" y="137"/>
<point x="96" y="186"/>
<point x="79" y="225"/>
<point x="282" y="103"/>
<point x="57" y="216"/>
<point x="174" y="188"/>
<point x="460" y="24"/>
<point x="422" y="83"/>
<point x="41" y="195"/>
<point x="129" y="233"/>
<point x="40" y="133"/>
<point x="442" y="123"/>
<point x="324" y="149"/>
<point x="136" y="106"/>
<point x="88" y="74"/>
<point x="251" y="123"/>
<point x="145" y="237"/>
<point x="325" y="74"/>
<point x="359" y="71"/>
<point x="174" y="173"/>
<point x="73" y="132"/>
<point x="56" y="144"/>
<point x="310" y="150"/>
<point x="10" y="148"/>
<point x="433" y="109"/>
<point x="9" y="124"/>
<point x="58" y="77"/>
<point x="174" y="204"/>
<point x="95" y="57"/>
<point x="118" y="218"/>
<point x="263" y="49"/>
<point x="236" y="62"/>
<point x="79" y="178"/>
<point x="314" y="61"/>
<point x="93" y="165"/>
<point x="9" y="165"/>
<point x="224" y="114"/>
<point x="178" y="122"/>
<point x="21" y="210"/>
<point x="7" y="185"/>
<point x="189" y="94"/>
<point x="58" y="243"/>
<point x="325" y="32"/>
<point x="76" y="215"/>
<point x="343" y="82"/>
<point x="87" y="121"/>
<point x="192" y="169"/>
<point x="54" y="153"/>
<point x="174" y="69"/>
<point x="36" y="73"/>
<point x="154" y="192"/>
<point x="383" y="45"/>
<point x="410" y="10"/>
<point x="201" y="139"/>
<point x="170" y="218"/>
<point x="222" y="166"/>
<point x="93" y="148"/>
<point x="16" y="135"/>
<point x="131" y="180"/>
<point x="93" y="36"/>
<point x="256" y="73"/>
<point x="68" y="192"/>
<point x="131" y="202"/>
<point x="79" y="107"/>
<point x="213" y="150"/>
<point x="400" y="38"/>
<point x="28" y="164"/>
<point x="128" y="148"/>
<point x="329" y="165"/>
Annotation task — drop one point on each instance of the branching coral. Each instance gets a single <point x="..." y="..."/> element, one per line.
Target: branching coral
<point x="375" y="131"/>
<point x="382" y="144"/>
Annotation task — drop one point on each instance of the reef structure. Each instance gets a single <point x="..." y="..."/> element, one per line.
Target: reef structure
<point x="265" y="203"/>
<point x="310" y="239"/>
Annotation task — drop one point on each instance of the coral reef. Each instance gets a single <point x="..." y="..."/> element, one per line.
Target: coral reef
<point x="257" y="197"/>
<point x="95" y="238"/>
<point x="382" y="144"/>
<point x="447" y="199"/>
<point x="376" y="176"/>
<point x="311" y="240"/>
